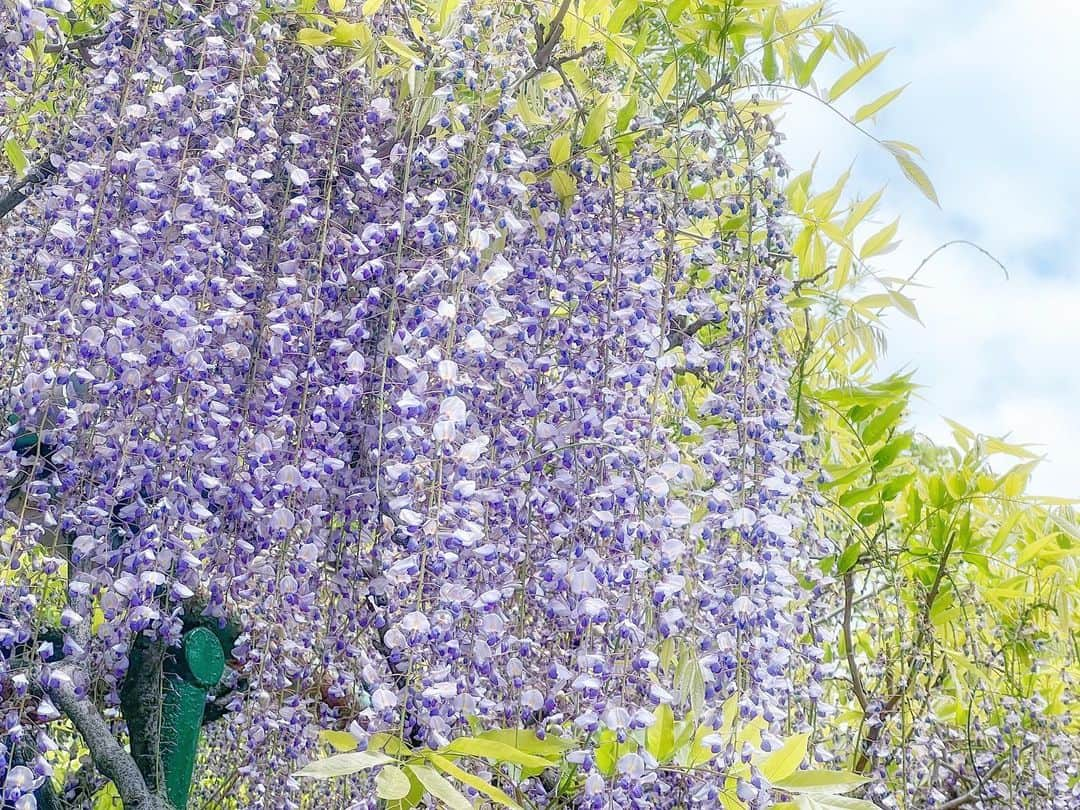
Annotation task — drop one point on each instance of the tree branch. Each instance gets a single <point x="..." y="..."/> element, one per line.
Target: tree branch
<point x="865" y="755"/>
<point x="109" y="756"/>
<point x="973" y="794"/>
<point x="849" y="649"/>
<point x="14" y="196"/>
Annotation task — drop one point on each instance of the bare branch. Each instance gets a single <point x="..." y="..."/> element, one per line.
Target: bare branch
<point x="109" y="756"/>
<point x="14" y="196"/>
<point x="849" y="649"/>
<point x="973" y="794"/>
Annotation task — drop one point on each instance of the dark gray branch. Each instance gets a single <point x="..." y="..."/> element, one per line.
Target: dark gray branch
<point x="14" y="196"/>
<point x="109" y="756"/>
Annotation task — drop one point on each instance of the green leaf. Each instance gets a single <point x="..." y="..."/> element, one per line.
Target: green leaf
<point x="523" y="739"/>
<point x="336" y="6"/>
<point x="833" y="803"/>
<point x="689" y="681"/>
<point x="401" y="49"/>
<point x="594" y="127"/>
<point x="896" y="485"/>
<point x="877" y="427"/>
<point x="392" y="783"/>
<point x="446" y="11"/>
<point x="347" y="33"/>
<point x="849" y="557"/>
<point x="905" y="305"/>
<point x="667" y="80"/>
<point x="821" y="782"/>
<point x="564" y="184"/>
<point x="855" y="75"/>
<point x="861" y="209"/>
<point x="782" y="762"/>
<point x="871" y="514"/>
<point x="338" y="740"/>
<point x="494" y="750"/>
<point x="912" y="170"/>
<point x="488" y="789"/>
<point x="313" y="37"/>
<point x="560" y="150"/>
<point x="660" y="736"/>
<point x="769" y="67"/>
<point x="628" y="111"/>
<point x="877" y="105"/>
<point x="887" y="454"/>
<point x="621" y="14"/>
<point x="440" y="788"/>
<point x="879" y="241"/>
<point x="609" y="750"/>
<point x="371" y="7"/>
<point x="807" y="68"/>
<point x="16" y="157"/>
<point x="390" y="743"/>
<point x="344" y="764"/>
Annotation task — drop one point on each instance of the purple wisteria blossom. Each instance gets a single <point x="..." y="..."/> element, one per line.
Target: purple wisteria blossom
<point x="340" y="362"/>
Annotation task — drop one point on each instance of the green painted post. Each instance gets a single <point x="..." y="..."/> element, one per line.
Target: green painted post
<point x="198" y="668"/>
<point x="166" y="754"/>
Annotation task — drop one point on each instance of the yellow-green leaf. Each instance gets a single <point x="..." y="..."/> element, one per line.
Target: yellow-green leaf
<point x="344" y="764"/>
<point x="472" y="780"/>
<point x="879" y="241"/>
<point x="371" y="7"/>
<point x="783" y="762"/>
<point x="912" y="170"/>
<point x="15" y="155"/>
<point x="660" y="736"/>
<point x="855" y="75"/>
<point x="336" y="6"/>
<point x="523" y="739"/>
<point x="351" y="33"/>
<point x="821" y="782"/>
<point x="905" y="305"/>
<point x="621" y="14"/>
<point x="628" y="111"/>
<point x="832" y="803"/>
<point x="392" y="783"/>
<point x="806" y="70"/>
<point x="667" y="80"/>
<point x="401" y="49"/>
<point x="527" y="113"/>
<point x="446" y="11"/>
<point x="438" y="786"/>
<point x="313" y="37"/>
<point x="594" y="126"/>
<point x="494" y="750"/>
<point x="877" y="105"/>
<point x="769" y="66"/>
<point x="560" y="150"/>
<point x="861" y="209"/>
<point x="338" y="740"/>
<point x="564" y="184"/>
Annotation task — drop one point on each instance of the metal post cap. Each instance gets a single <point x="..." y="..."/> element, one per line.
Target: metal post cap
<point x="204" y="657"/>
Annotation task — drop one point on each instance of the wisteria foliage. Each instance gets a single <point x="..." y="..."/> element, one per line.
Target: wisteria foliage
<point x="321" y="343"/>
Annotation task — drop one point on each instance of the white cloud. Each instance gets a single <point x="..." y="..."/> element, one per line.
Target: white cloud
<point x="991" y="107"/>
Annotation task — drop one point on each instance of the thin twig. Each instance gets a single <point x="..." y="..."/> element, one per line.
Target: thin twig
<point x="849" y="648"/>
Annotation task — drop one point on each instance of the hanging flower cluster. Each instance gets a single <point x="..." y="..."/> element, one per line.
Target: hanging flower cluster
<point x="341" y="351"/>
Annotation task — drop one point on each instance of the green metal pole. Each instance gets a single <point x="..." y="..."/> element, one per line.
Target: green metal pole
<point x="167" y="752"/>
<point x="200" y="666"/>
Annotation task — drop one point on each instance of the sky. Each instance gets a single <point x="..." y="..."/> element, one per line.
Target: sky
<point x="993" y="105"/>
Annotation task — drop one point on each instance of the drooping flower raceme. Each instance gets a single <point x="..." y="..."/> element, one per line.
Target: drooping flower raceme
<point x="331" y="348"/>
